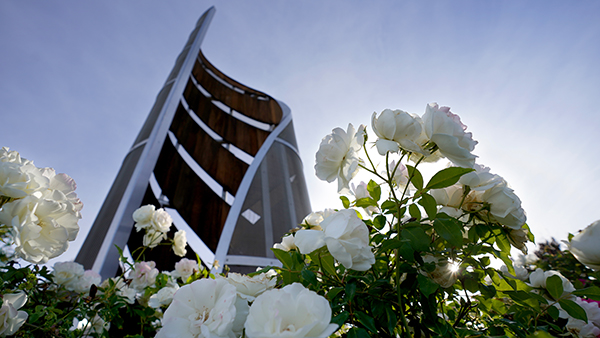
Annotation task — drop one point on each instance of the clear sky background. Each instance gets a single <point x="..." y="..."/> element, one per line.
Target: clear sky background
<point x="78" y="78"/>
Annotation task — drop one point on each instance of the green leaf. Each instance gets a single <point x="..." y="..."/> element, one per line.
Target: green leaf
<point x="429" y="204"/>
<point x="357" y="332"/>
<point x="366" y="320"/>
<point x="379" y="222"/>
<point x="350" y="291"/>
<point x="284" y="257"/>
<point x="374" y="190"/>
<point x="390" y="206"/>
<point x="592" y="292"/>
<point x="328" y="264"/>
<point x="449" y="229"/>
<point x="345" y="202"/>
<point x="310" y="277"/>
<point x="365" y="202"/>
<point x="503" y="243"/>
<point x="414" y="211"/>
<point x="341" y="318"/>
<point x="573" y="309"/>
<point x="540" y="334"/>
<point x="415" y="177"/>
<point x="419" y="240"/>
<point x="447" y="177"/>
<point x="554" y="286"/>
<point x="426" y="285"/>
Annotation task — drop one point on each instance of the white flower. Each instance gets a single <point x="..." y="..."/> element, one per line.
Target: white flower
<point x="400" y="175"/>
<point x="161" y="220"/>
<point x="143" y="275"/>
<point x="291" y="312"/>
<point x="67" y="273"/>
<point x="581" y="328"/>
<point x="185" y="268"/>
<point x="179" y="243"/>
<point x="6" y="155"/>
<point x="96" y="326"/>
<point x="520" y="272"/>
<point x="152" y="238"/>
<point x="85" y="282"/>
<point x="314" y="219"/>
<point x="10" y="318"/>
<point x="445" y="273"/>
<point x="537" y="279"/>
<point x="447" y="131"/>
<point x="337" y="156"/>
<point x="287" y="243"/>
<point x="480" y="179"/>
<point x="361" y="191"/>
<point x="142" y="216"/>
<point x="346" y="237"/>
<point x="204" y="308"/>
<point x="163" y="297"/>
<point x="505" y="206"/>
<point x="41" y="228"/>
<point x="248" y="287"/>
<point x="121" y="289"/>
<point x="518" y="238"/>
<point x="397" y="129"/>
<point x="584" y="246"/>
<point x="61" y="188"/>
<point x="19" y="180"/>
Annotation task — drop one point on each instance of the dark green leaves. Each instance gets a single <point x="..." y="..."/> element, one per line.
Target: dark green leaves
<point x="447" y="177"/>
<point x="449" y="229"/>
<point x="415" y="177"/>
<point x="554" y="286"/>
<point x="573" y="309"/>
<point x="417" y="237"/>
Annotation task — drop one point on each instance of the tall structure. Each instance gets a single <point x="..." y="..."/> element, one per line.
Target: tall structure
<point x="220" y="157"/>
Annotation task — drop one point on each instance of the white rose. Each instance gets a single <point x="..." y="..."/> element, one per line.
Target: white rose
<point x="518" y="238"/>
<point x="85" y="282"/>
<point x="185" y="268"/>
<point x="95" y="326"/>
<point x="397" y="129"/>
<point x="143" y="275"/>
<point x="361" y="191"/>
<point x="144" y="214"/>
<point x="204" y="308"/>
<point x="346" y="237"/>
<point x="41" y="228"/>
<point x="10" y="318"/>
<point x="287" y="243"/>
<point x="447" y="131"/>
<point x="6" y="155"/>
<point x="161" y="220"/>
<point x="67" y="274"/>
<point x="480" y="179"/>
<point x="248" y="287"/>
<point x="291" y="312"/>
<point x="584" y="246"/>
<point x="520" y="272"/>
<point x="163" y="297"/>
<point x="337" y="156"/>
<point x="581" y="328"/>
<point x="505" y="206"/>
<point x="152" y="238"/>
<point x="314" y="219"/>
<point x="19" y="180"/>
<point x="400" y="175"/>
<point x="537" y="279"/>
<point x="179" y="243"/>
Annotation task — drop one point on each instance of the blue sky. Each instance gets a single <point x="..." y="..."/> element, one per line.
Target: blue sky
<point x="78" y="79"/>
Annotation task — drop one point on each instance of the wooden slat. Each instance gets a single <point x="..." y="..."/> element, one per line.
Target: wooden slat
<point x="198" y="205"/>
<point x="232" y="130"/>
<point x="267" y="111"/>
<point x="217" y="161"/>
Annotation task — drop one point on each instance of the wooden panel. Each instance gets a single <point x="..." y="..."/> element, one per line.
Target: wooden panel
<point x="217" y="161"/>
<point x="232" y="130"/>
<point x="200" y="207"/>
<point x="263" y="110"/>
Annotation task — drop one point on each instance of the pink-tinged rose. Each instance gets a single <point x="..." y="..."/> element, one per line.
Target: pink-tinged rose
<point x="185" y="268"/>
<point x="447" y="131"/>
<point x="143" y="274"/>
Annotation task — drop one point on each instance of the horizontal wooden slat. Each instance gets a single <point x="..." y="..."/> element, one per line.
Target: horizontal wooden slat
<point x="217" y="161"/>
<point x="232" y="130"/>
<point x="260" y="109"/>
<point x="198" y="205"/>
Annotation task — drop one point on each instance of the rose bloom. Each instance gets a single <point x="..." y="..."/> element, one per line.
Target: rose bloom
<point x="481" y="179"/>
<point x="287" y="243"/>
<point x="505" y="206"/>
<point x="179" y="243"/>
<point x="163" y="297"/>
<point x="314" y="219"/>
<point x="346" y="237"/>
<point x="143" y="275"/>
<point x="67" y="274"/>
<point x="251" y="287"/>
<point x="142" y="216"/>
<point x="10" y="318"/>
<point x="204" y="308"/>
<point x="400" y="176"/>
<point x="19" y="180"/>
<point x="584" y="246"/>
<point x="447" y="131"/>
<point x="41" y="228"/>
<point x="185" y="268"/>
<point x="291" y="312"/>
<point x="161" y="220"/>
<point x="397" y="129"/>
<point x="581" y="328"/>
<point x="537" y="279"/>
<point x="337" y="156"/>
<point x="85" y="282"/>
<point x="6" y="155"/>
<point x="361" y="191"/>
<point x="152" y="238"/>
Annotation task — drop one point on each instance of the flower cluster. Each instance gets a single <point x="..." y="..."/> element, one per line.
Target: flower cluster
<point x="156" y="224"/>
<point x="40" y="208"/>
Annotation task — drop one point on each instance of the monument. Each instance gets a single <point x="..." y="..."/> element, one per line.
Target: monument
<point x="220" y="157"/>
